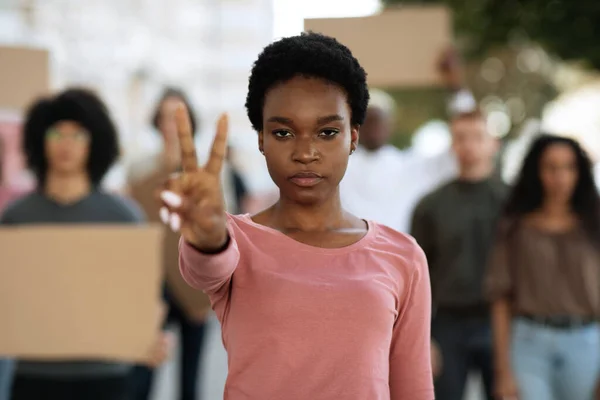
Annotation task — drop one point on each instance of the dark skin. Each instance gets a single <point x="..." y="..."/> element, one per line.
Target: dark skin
<point x="377" y="129"/>
<point x="307" y="139"/>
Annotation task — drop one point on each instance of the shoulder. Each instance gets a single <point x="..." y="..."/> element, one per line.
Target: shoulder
<point x="500" y="188"/>
<point x="401" y="248"/>
<point x="125" y="209"/>
<point x="431" y="199"/>
<point x="19" y="208"/>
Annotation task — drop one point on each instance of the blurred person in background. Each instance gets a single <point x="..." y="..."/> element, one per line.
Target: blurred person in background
<point x="383" y="183"/>
<point x="144" y="177"/>
<point x="240" y="189"/>
<point x="70" y="142"/>
<point x="454" y="225"/>
<point x="544" y="278"/>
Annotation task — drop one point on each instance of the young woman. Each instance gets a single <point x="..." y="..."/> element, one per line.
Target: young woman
<point x="544" y="278"/>
<point x="144" y="176"/>
<point x="70" y="143"/>
<point x="314" y="302"/>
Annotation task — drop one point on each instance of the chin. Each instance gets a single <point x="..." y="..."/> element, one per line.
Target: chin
<point x="305" y="197"/>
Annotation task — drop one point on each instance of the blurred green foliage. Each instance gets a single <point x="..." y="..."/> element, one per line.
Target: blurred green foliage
<point x="568" y="29"/>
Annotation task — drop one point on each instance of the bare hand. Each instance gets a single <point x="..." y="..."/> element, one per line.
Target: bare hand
<point x="451" y="69"/>
<point x="193" y="200"/>
<point x="162" y="347"/>
<point x="436" y="359"/>
<point x="506" y="386"/>
<point x="161" y="350"/>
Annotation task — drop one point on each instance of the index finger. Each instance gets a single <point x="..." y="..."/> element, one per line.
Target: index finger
<point x="189" y="159"/>
<point x="219" y="147"/>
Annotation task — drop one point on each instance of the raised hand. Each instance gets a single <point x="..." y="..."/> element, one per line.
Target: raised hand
<point x="193" y="200"/>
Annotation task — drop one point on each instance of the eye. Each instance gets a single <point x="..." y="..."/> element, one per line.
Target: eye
<point x="52" y="134"/>
<point x="281" y="134"/>
<point x="329" y="133"/>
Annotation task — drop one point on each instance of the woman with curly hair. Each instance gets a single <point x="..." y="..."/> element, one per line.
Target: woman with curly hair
<point x="314" y="302"/>
<point x="70" y="142"/>
<point x="544" y="278"/>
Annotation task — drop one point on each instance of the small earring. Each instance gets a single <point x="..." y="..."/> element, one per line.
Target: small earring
<point x="352" y="151"/>
<point x="262" y="152"/>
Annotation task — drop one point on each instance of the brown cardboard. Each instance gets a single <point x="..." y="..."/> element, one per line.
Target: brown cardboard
<point x="398" y="48"/>
<point x="24" y="76"/>
<point x="86" y="292"/>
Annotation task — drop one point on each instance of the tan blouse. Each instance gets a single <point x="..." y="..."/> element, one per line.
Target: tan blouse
<point x="545" y="274"/>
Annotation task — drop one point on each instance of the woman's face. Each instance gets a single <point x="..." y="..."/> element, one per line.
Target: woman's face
<point x="67" y="146"/>
<point x="307" y="138"/>
<point x="558" y="171"/>
<point x="166" y="120"/>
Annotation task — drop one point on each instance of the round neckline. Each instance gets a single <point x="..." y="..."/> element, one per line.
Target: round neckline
<point x="362" y="242"/>
<point x="568" y="232"/>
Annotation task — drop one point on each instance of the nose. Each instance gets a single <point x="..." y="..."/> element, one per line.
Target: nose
<point x="305" y="151"/>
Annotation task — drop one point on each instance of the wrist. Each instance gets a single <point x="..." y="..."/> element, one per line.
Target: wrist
<point x="213" y="246"/>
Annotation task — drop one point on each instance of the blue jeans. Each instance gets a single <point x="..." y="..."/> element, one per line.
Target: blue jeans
<point x="6" y="377"/>
<point x="555" y="364"/>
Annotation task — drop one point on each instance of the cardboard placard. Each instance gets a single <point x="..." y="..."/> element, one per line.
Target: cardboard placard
<point x="24" y="76"/>
<point x="80" y="292"/>
<point x="399" y="47"/>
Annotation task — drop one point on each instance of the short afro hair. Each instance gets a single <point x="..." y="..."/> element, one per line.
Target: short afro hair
<point x="180" y="95"/>
<point x="85" y="108"/>
<point x="311" y="55"/>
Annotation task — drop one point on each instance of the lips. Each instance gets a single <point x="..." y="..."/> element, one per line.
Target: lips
<point x="306" y="179"/>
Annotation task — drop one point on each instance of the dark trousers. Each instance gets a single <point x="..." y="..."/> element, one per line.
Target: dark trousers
<point x="105" y="388"/>
<point x="465" y="343"/>
<point x="192" y="340"/>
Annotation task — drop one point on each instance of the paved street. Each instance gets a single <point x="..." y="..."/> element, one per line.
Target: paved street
<point x="215" y="371"/>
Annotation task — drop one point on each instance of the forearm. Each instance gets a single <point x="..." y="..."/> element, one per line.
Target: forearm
<point x="501" y="322"/>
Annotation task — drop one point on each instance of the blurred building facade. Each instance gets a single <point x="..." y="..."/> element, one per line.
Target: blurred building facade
<point x="128" y="50"/>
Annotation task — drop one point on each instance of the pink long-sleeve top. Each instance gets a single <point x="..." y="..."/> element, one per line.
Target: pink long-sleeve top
<point x="307" y="323"/>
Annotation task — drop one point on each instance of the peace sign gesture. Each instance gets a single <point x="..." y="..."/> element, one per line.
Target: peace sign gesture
<point x="193" y="200"/>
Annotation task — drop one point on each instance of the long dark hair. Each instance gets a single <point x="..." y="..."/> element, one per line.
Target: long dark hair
<point x="528" y="193"/>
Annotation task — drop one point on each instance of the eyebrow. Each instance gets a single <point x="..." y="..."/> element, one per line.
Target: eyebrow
<point x="320" y="120"/>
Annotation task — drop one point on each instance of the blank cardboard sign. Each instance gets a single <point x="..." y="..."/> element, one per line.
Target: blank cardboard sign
<point x="24" y="76"/>
<point x="398" y="47"/>
<point x="86" y="292"/>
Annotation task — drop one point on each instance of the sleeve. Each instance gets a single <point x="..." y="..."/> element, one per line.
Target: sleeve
<point x="410" y="355"/>
<point x="422" y="230"/>
<point x="211" y="273"/>
<point x="498" y="278"/>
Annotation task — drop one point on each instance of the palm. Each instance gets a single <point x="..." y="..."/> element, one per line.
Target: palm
<point x="201" y="207"/>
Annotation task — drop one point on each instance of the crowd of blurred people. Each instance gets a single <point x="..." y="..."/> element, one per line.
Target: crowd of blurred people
<point x="515" y="273"/>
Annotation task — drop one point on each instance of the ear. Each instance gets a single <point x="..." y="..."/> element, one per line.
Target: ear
<point x="354" y="135"/>
<point x="260" y="142"/>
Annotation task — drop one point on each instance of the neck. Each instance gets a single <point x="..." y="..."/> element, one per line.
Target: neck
<point x="556" y="208"/>
<point x="476" y="172"/>
<point x="319" y="217"/>
<point x="67" y="188"/>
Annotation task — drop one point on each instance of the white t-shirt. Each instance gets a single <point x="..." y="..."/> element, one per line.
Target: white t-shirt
<point x="385" y="185"/>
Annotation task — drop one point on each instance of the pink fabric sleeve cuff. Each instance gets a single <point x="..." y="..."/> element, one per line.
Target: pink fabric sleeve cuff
<point x="207" y="272"/>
